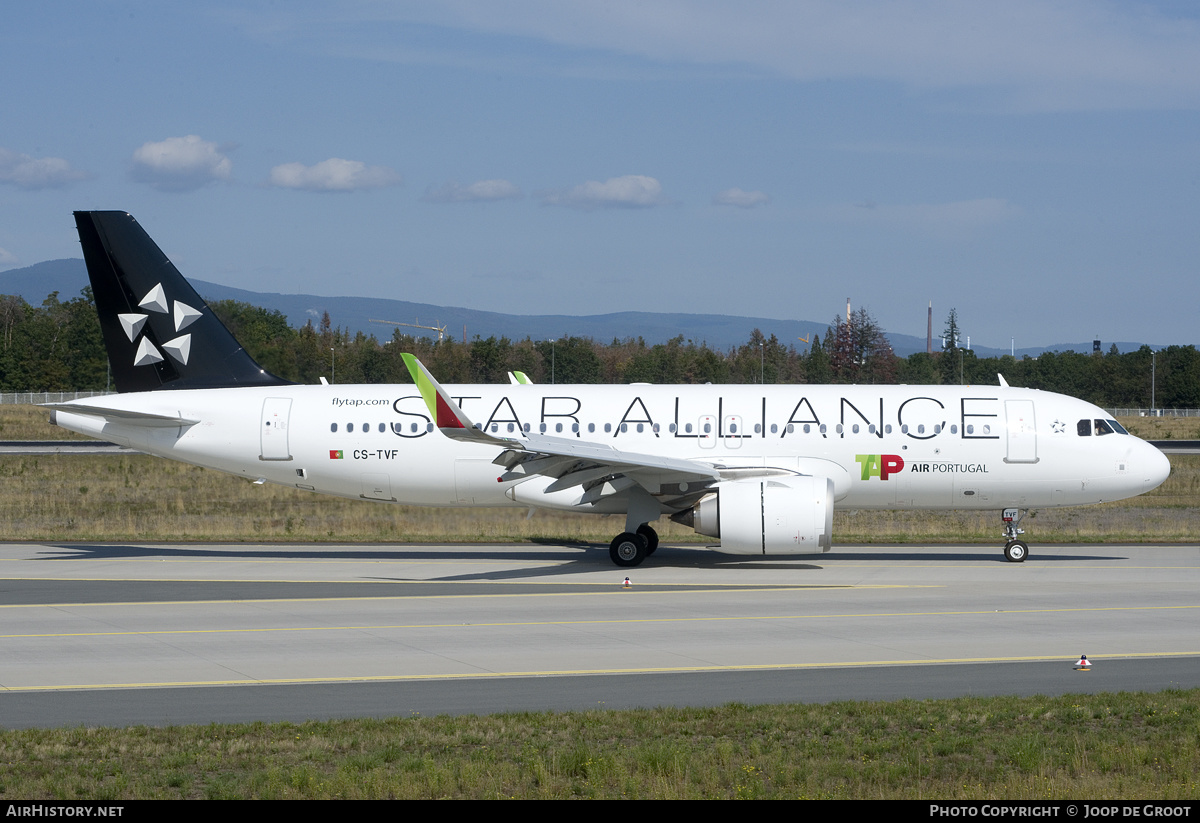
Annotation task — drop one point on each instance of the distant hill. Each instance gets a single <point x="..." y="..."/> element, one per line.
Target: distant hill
<point x="721" y="332"/>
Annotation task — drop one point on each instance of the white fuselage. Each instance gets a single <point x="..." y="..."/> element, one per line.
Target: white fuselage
<point x="923" y="447"/>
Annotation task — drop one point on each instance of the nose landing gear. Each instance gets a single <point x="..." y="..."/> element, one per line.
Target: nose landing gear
<point x="1015" y="550"/>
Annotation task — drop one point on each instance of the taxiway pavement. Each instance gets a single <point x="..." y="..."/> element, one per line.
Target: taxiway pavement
<point x="119" y="634"/>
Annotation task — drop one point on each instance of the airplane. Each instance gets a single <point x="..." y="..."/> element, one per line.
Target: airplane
<point x="759" y="468"/>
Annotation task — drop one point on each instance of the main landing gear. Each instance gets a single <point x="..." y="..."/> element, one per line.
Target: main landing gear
<point x="639" y="540"/>
<point x="1015" y="550"/>
<point x="631" y="548"/>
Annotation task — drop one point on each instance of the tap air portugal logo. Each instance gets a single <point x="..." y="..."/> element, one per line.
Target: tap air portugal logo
<point x="879" y="465"/>
<point x="178" y="348"/>
<point x="885" y="465"/>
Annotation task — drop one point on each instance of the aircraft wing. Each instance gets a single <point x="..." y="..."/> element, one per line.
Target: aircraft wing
<point x="601" y="470"/>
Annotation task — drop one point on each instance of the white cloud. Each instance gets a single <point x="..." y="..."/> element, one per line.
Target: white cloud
<point x="481" y="190"/>
<point x="180" y="164"/>
<point x="26" y="172"/>
<point x="741" y="199"/>
<point x="633" y="191"/>
<point x="334" y="174"/>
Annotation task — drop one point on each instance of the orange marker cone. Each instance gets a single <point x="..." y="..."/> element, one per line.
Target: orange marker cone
<point x="1084" y="664"/>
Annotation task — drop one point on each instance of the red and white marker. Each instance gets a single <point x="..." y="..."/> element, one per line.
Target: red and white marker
<point x="1084" y="664"/>
<point x="627" y="585"/>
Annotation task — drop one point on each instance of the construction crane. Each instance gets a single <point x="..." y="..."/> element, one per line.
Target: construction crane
<point x="441" y="330"/>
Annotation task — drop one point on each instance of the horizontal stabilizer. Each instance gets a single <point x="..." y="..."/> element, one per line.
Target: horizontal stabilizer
<point x="123" y="416"/>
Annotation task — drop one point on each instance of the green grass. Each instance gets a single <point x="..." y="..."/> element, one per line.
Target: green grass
<point x="1107" y="746"/>
<point x="139" y="497"/>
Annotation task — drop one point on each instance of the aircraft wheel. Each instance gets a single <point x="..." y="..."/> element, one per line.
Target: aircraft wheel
<point x="628" y="549"/>
<point x="1015" y="551"/>
<point x="651" y="537"/>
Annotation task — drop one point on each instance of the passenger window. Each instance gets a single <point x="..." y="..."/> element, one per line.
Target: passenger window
<point x="333" y="427"/>
<point x="349" y="427"/>
<point x="382" y="429"/>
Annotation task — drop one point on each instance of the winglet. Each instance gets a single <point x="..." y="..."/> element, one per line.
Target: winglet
<point x="519" y="378"/>
<point x="447" y="415"/>
<point x="1003" y="382"/>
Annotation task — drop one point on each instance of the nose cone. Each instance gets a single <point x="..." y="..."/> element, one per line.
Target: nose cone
<point x="1155" y="466"/>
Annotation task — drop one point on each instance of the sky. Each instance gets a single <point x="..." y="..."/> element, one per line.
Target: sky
<point x="1034" y="165"/>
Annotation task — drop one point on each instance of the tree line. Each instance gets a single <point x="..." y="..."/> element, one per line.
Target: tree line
<point x="57" y="347"/>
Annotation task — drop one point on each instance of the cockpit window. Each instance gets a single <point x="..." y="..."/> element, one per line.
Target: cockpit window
<point x="1085" y="428"/>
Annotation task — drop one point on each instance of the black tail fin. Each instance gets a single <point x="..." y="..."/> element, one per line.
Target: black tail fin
<point x="158" y="332"/>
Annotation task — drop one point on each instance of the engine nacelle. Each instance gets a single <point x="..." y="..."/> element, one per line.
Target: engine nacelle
<point x="768" y="515"/>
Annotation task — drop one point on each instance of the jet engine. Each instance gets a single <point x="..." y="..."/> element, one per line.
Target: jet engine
<point x="767" y="515"/>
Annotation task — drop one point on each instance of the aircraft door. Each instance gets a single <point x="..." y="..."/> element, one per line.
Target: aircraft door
<point x="273" y="429"/>
<point x="1022" y="434"/>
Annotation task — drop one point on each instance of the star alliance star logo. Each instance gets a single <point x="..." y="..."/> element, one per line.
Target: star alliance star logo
<point x="178" y="348"/>
<point x="1058" y="426"/>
